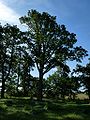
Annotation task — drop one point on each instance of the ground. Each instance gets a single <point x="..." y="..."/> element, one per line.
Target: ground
<point x="26" y="109"/>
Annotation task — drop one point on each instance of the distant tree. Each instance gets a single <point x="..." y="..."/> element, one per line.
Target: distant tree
<point x="50" y="44"/>
<point x="60" y="84"/>
<point x="73" y="87"/>
<point x="84" y="75"/>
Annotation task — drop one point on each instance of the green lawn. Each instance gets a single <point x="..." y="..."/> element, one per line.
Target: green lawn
<point x="25" y="109"/>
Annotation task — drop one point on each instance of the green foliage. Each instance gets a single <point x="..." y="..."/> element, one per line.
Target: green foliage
<point x="15" y="61"/>
<point x="10" y="37"/>
<point x="58" y="86"/>
<point x="84" y="75"/>
<point x="50" y="43"/>
<point x="45" y="45"/>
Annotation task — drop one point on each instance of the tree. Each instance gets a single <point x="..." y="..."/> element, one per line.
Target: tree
<point x="9" y="38"/>
<point x="50" y="44"/>
<point x="84" y="75"/>
<point x="26" y="68"/>
<point x="60" y="84"/>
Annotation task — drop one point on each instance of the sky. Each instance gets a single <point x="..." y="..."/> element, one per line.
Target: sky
<point x="74" y="14"/>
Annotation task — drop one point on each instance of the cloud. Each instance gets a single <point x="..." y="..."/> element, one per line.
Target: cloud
<point x="8" y="15"/>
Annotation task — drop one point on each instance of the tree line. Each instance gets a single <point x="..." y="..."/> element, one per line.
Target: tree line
<point x="44" y="45"/>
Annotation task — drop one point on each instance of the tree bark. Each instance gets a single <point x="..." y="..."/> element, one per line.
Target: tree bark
<point x="89" y="92"/>
<point x="40" y="86"/>
<point x="3" y="83"/>
<point x="3" y="88"/>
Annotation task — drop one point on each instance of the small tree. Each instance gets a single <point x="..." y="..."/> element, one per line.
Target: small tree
<point x="84" y="75"/>
<point x="60" y="84"/>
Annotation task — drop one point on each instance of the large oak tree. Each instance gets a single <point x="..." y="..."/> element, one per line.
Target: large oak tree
<point x="50" y="43"/>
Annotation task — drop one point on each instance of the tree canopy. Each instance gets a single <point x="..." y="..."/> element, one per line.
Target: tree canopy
<point x="50" y="44"/>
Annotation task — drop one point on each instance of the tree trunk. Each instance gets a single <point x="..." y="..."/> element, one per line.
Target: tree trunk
<point x="3" y="83"/>
<point x="25" y="89"/>
<point x="3" y="88"/>
<point x="18" y="80"/>
<point x="89" y="92"/>
<point x="40" y="86"/>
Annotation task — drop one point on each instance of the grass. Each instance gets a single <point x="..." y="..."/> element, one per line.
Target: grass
<point x="25" y="109"/>
<point x="82" y="96"/>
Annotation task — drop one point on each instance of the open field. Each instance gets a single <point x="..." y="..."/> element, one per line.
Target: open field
<point x="26" y="109"/>
<point x="82" y="96"/>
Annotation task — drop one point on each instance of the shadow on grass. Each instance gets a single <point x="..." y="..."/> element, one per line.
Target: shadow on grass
<point x="22" y="109"/>
<point x="22" y="115"/>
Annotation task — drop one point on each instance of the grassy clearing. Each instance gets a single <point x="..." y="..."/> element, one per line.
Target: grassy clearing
<point x="25" y="109"/>
<point x="82" y="96"/>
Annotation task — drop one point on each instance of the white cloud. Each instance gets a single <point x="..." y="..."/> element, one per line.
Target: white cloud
<point x="8" y="15"/>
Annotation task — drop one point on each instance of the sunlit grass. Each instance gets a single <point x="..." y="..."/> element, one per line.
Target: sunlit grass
<point x="72" y="116"/>
<point x="82" y="96"/>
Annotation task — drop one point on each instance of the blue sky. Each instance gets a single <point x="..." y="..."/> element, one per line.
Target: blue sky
<point x="75" y="14"/>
